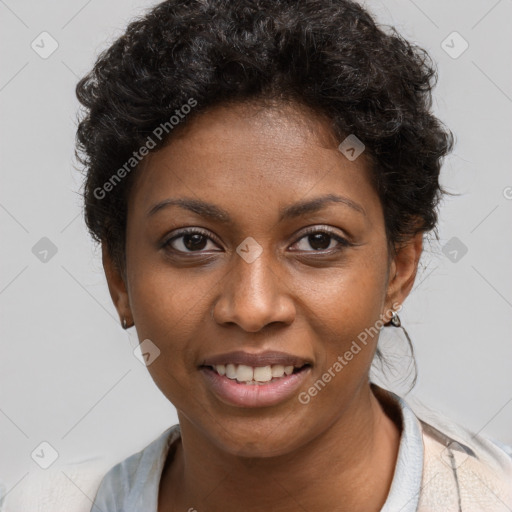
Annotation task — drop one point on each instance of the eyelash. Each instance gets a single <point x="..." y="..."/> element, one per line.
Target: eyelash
<point x="192" y="231"/>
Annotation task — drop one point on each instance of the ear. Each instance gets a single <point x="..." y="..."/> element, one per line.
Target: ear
<point x="116" y="286"/>
<point x="402" y="272"/>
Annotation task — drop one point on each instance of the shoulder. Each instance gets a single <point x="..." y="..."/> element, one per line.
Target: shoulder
<point x="137" y="475"/>
<point x="69" y="483"/>
<point x="463" y="470"/>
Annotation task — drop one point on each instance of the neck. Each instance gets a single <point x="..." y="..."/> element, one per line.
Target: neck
<point x="349" y="466"/>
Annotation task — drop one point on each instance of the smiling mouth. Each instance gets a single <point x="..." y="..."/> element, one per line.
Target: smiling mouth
<point x="255" y="375"/>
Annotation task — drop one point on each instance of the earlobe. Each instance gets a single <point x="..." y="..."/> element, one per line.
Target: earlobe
<point x="117" y="287"/>
<point x="403" y="270"/>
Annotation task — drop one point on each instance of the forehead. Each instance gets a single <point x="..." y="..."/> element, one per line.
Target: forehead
<point x="254" y="156"/>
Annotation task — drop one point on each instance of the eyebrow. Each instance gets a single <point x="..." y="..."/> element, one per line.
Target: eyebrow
<point x="211" y="211"/>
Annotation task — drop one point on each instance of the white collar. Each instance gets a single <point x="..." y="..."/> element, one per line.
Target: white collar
<point x="133" y="484"/>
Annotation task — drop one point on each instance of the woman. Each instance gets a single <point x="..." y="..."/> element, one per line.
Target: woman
<point x="261" y="175"/>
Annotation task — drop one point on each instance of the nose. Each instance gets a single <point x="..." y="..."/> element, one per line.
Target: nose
<point x="254" y="295"/>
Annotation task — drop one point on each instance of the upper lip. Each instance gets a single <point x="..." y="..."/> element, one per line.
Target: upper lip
<point x="267" y="358"/>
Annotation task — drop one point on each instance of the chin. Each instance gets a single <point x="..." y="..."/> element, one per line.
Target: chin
<point x="258" y="438"/>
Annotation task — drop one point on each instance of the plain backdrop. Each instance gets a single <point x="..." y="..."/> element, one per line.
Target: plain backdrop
<point x="68" y="374"/>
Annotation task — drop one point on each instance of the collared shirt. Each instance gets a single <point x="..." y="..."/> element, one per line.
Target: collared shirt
<point x="434" y="472"/>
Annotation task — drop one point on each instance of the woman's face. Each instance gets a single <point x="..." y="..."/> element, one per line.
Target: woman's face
<point x="270" y="266"/>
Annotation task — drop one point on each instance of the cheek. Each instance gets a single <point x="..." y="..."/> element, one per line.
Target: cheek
<point x="350" y="311"/>
<point x="164" y="301"/>
<point x="355" y="293"/>
<point x="348" y="334"/>
<point x="168" y="311"/>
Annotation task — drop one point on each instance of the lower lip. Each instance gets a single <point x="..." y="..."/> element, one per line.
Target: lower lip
<point x="239" y="394"/>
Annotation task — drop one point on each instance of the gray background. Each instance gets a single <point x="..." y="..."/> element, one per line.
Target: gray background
<point x="68" y="372"/>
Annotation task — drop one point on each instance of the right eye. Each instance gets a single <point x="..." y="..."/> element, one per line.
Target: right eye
<point x="191" y="240"/>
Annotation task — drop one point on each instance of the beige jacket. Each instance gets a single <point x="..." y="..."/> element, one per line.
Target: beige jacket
<point x="474" y="476"/>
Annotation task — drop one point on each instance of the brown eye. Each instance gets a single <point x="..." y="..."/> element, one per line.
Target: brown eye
<point x="188" y="241"/>
<point x="321" y="240"/>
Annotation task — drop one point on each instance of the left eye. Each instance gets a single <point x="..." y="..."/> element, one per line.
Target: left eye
<point x="321" y="240"/>
<point x="196" y="241"/>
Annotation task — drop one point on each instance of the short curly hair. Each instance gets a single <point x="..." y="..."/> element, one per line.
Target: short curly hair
<point x="329" y="55"/>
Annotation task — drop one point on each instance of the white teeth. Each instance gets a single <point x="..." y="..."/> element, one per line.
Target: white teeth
<point x="244" y="373"/>
<point x="231" y="371"/>
<point x="263" y="373"/>
<point x="277" y="370"/>
<point x="250" y="375"/>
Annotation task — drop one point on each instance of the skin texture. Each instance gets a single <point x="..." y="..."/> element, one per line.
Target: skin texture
<point x="339" y="451"/>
